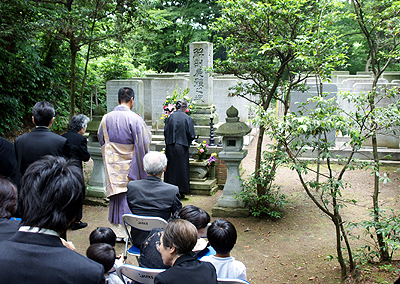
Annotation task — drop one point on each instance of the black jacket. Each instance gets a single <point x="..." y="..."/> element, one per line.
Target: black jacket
<point x="179" y="129"/>
<point x="187" y="269"/>
<point x="78" y="146"/>
<point x="40" y="142"/>
<point x="39" y="258"/>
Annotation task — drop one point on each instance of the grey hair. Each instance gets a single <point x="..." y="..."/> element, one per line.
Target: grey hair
<point x="154" y="163"/>
<point x="78" y="122"/>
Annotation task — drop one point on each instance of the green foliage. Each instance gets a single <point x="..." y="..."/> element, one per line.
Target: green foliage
<point x="166" y="48"/>
<point x="275" y="45"/>
<point x="388" y="225"/>
<point x="272" y="202"/>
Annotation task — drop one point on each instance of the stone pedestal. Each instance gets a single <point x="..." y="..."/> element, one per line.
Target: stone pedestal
<point x="232" y="132"/>
<point x="199" y="183"/>
<point x="97" y="184"/>
<point x="228" y="205"/>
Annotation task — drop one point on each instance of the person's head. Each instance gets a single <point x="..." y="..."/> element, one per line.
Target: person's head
<point x="181" y="104"/>
<point x="197" y="216"/>
<point x="102" y="235"/>
<point x="102" y="253"/>
<point x="222" y="236"/>
<point x="8" y="198"/>
<point x="51" y="193"/>
<point x="126" y="95"/>
<point x="154" y="163"/>
<point x="43" y="114"/>
<point x="179" y="237"/>
<point x="79" y="123"/>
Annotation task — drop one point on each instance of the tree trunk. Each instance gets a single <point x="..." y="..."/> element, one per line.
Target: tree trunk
<point x="339" y="247"/>
<point x="74" y="51"/>
<point x="384" y="253"/>
<point x="260" y="188"/>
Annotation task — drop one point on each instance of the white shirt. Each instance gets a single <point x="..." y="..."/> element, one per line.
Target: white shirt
<point x="227" y="267"/>
<point x="38" y="230"/>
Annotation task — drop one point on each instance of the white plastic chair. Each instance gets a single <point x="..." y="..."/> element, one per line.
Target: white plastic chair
<point x="138" y="274"/>
<point x="143" y="223"/>
<point x="231" y="281"/>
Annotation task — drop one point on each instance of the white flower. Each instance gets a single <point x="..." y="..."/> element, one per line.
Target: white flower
<point x="168" y="97"/>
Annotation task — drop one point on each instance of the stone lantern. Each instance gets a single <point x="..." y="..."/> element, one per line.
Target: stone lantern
<point x="232" y="133"/>
<point x="97" y="183"/>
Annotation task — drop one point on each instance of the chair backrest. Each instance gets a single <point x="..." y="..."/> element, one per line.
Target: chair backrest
<point x="144" y="223"/>
<point x="231" y="281"/>
<point x="138" y="274"/>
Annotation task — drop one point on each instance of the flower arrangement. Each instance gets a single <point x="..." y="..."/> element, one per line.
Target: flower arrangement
<point x="212" y="159"/>
<point x="202" y="150"/>
<point x="170" y="102"/>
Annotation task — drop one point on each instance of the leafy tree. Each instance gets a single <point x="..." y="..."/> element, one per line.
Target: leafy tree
<point x="24" y="76"/>
<point x="308" y="130"/>
<point x="379" y="23"/>
<point x="82" y="23"/>
<point x="273" y="46"/>
<point x="166" y="48"/>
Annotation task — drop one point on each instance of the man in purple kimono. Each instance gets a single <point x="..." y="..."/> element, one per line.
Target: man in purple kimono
<point x="125" y="139"/>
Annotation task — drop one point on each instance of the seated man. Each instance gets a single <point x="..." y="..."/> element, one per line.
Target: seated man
<point x="52" y="191"/>
<point x="151" y="196"/>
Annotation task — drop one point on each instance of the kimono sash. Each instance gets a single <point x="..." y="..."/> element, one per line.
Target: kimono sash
<point x="117" y="160"/>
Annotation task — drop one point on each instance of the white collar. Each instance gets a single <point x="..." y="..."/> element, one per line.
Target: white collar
<point x="29" y="229"/>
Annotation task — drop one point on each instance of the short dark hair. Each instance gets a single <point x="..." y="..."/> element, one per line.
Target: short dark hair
<point x="102" y="253"/>
<point x="195" y="215"/>
<point x="8" y="198"/>
<point x="102" y="235"/>
<point x="181" y="104"/>
<point x="125" y="94"/>
<point x="42" y="113"/>
<point x="180" y="234"/>
<point x="51" y="193"/>
<point x="78" y="122"/>
<point x="222" y="236"/>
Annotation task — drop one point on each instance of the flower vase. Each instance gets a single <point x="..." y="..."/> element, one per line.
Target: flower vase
<point x="201" y="157"/>
<point x="212" y="171"/>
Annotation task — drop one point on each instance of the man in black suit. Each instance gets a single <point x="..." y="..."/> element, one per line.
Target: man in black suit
<point x="8" y="161"/>
<point x="40" y="142"/>
<point x="151" y="196"/>
<point x="52" y="190"/>
<point x="179" y="133"/>
<point x="79" y="152"/>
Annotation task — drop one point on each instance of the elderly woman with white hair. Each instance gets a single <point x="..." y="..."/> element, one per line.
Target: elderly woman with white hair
<point x="79" y="152"/>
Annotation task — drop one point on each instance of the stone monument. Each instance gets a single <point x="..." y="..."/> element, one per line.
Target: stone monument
<point x="97" y="183"/>
<point x="232" y="132"/>
<point x="201" y="86"/>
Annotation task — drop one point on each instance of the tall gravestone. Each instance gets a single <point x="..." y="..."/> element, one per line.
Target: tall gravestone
<point x="201" y="86"/>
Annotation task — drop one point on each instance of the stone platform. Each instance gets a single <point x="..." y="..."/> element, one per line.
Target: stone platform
<point x="204" y="187"/>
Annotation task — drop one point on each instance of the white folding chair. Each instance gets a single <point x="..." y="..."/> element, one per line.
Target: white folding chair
<point x="231" y="281"/>
<point x="138" y="274"/>
<point x="143" y="223"/>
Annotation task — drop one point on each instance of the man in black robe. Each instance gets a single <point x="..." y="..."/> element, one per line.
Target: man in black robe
<point x="179" y="134"/>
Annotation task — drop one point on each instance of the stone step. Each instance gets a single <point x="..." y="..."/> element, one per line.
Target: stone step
<point x="157" y="138"/>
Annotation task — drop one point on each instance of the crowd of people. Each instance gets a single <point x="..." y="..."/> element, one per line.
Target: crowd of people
<point x="42" y="191"/>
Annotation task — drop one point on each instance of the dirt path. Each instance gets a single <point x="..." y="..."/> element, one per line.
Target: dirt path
<point x="294" y="249"/>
